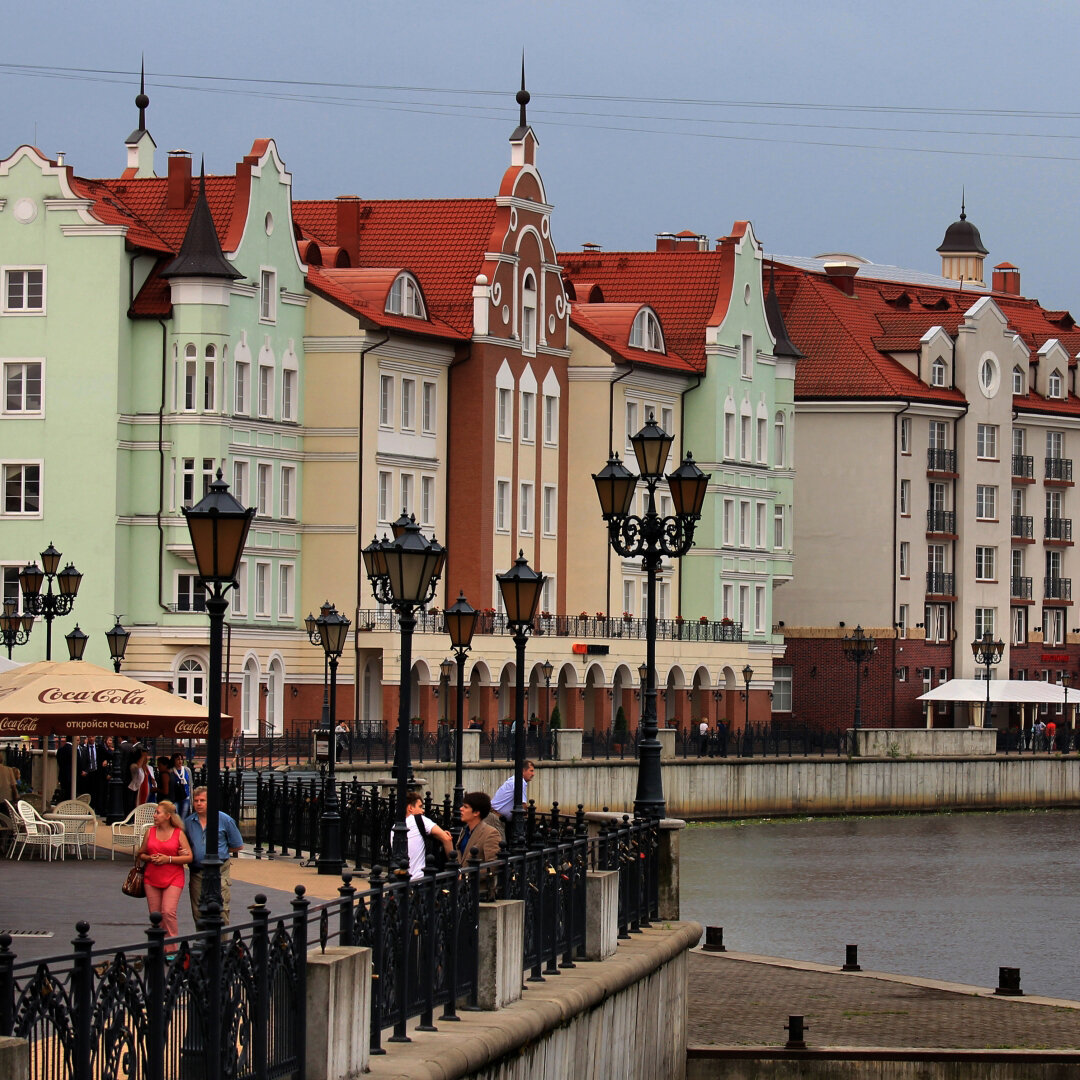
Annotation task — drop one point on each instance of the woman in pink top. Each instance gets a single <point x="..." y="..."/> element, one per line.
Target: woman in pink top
<point x="164" y="853"/>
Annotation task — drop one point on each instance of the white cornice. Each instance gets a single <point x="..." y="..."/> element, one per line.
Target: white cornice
<point x="242" y="288"/>
<point x="94" y="230"/>
<point x="521" y="203"/>
<point x="882" y="408"/>
<point x="407" y="461"/>
<point x="589" y="374"/>
<point x="131" y="444"/>
<point x="550" y="350"/>
<point x="328" y="530"/>
<point x="79" y="205"/>
<point x="297" y="299"/>
<point x="332" y="344"/>
<point x="331" y="433"/>
<point x="310" y="456"/>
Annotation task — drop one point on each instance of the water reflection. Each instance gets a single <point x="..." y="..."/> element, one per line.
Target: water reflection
<point x="945" y="897"/>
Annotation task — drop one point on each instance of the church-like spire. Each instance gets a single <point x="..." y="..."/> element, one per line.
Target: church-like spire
<point x="200" y="254"/>
<point x="784" y="345"/>
<point x="522" y="97"/>
<point x="141" y="101"/>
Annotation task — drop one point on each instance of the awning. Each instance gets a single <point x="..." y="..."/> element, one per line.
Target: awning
<point x="1002" y="691"/>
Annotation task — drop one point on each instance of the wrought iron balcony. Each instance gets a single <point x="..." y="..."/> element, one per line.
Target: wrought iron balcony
<point x="1057" y="588"/>
<point x="941" y="461"/>
<point x="1020" y="588"/>
<point x="1023" y="467"/>
<point x="1059" y="468"/>
<point x="1057" y="528"/>
<point x="940" y="584"/>
<point x="941" y="521"/>
<point x="1023" y="527"/>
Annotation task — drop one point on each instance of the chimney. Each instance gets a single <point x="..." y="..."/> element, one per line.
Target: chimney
<point x="348" y="225"/>
<point x="589" y="246"/>
<point x="690" y="241"/>
<point x="842" y="275"/>
<point x="178" y="192"/>
<point x="665" y="241"/>
<point x="1007" y="279"/>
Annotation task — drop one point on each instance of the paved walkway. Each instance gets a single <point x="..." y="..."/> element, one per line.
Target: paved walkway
<point x="739" y="1000"/>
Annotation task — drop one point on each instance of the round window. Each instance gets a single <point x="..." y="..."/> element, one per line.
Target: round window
<point x="989" y="376"/>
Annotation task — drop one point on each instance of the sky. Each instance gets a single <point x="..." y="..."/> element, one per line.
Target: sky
<point x="832" y="127"/>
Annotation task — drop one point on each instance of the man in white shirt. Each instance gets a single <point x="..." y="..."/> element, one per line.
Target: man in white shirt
<point x="414" y="812"/>
<point x="502" y="802"/>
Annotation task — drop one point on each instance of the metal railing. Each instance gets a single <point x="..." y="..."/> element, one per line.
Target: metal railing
<point x="1022" y="527"/>
<point x="1023" y="467"/>
<point x="1057" y="588"/>
<point x="1059" y="469"/>
<point x="940" y="461"/>
<point x="940" y="584"/>
<point x="1057" y="528"/>
<point x="1020" y="588"/>
<point x="941" y="521"/>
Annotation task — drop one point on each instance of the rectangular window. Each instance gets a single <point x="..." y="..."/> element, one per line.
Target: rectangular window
<point x="384" y="496"/>
<point x="239" y="598"/>
<point x="24" y="292"/>
<point x="240" y="388"/>
<point x="1018" y="440"/>
<point x="728" y="611"/>
<point x="746" y="357"/>
<point x="285" y="590"/>
<point x="22" y="489"/>
<point x="22" y="386"/>
<point x="10" y="590"/>
<point x="209" y="381"/>
<point x="504" y="416"/>
<point x="266" y="391"/>
<point x="526" y="508"/>
<point x="408" y="403"/>
<point x="985" y="501"/>
<point x="744" y="524"/>
<point x="288" y="491"/>
<point x="937" y="435"/>
<point x="547" y="595"/>
<point x="187" y="491"/>
<point x="901" y="674"/>
<point x="759" y="538"/>
<point x="667" y="420"/>
<point x="190" y="593"/>
<point x="984" y="563"/>
<point x="782" y="688"/>
<point x="502" y="505"/>
<point x="762" y="441"/>
<point x="744" y="438"/>
<point x="407" y="493"/>
<point x="759" y="609"/>
<point x="551" y="420"/>
<point x="208" y="470"/>
<point x="265" y="505"/>
<point x="267" y="296"/>
<point x="428" y="408"/>
<point x="905" y="498"/>
<point x="191" y="367"/>
<point x="902" y="621"/>
<point x="1055" y="444"/>
<point x="262" y="590"/>
<point x="729" y="521"/>
<point x="289" y="379"/>
<point x="744" y="604"/>
<point x="905" y="559"/>
<point x="528" y="329"/>
<point x="627" y="596"/>
<point x="1053" y="626"/>
<point x="778" y="526"/>
<point x="905" y="434"/>
<point x="386" y="400"/>
<point x="527" y="405"/>
<point x="729" y="435"/>
<point x="1019" y="626"/>
<point x="663" y="599"/>
<point x="986" y="441"/>
<point x="427" y="500"/>
<point x="984" y="621"/>
<point x="631" y="421"/>
<point x="551" y="510"/>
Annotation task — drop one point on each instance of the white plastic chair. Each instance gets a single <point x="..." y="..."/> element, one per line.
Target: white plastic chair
<point x="129" y="832"/>
<point x="40" y="834"/>
<point x="80" y="825"/>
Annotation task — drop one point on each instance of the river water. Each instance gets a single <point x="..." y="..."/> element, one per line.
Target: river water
<point x="944" y="896"/>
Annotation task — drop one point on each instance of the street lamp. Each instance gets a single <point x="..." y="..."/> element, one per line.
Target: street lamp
<point x="748" y="738"/>
<point x="311" y="624"/>
<point x="460" y="621"/>
<point x="51" y="605"/>
<point x="858" y="647"/>
<point x="446" y="669"/>
<point x="333" y="630"/>
<point x="521" y="586"/>
<point x="14" y="628"/>
<point x="218" y="525"/>
<point x="403" y="573"/>
<point x="548" y="668"/>
<point x="117" y="638"/>
<point x="987" y="651"/>
<point x="76" y="643"/>
<point x="652" y="537"/>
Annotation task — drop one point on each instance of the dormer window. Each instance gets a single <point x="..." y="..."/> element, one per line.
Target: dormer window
<point x="937" y="372"/>
<point x="646" y="332"/>
<point x="1018" y="381"/>
<point x="1053" y="384"/>
<point x="405" y="298"/>
<point x="528" y="313"/>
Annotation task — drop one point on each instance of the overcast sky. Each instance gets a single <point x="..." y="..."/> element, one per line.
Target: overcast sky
<point x="831" y="126"/>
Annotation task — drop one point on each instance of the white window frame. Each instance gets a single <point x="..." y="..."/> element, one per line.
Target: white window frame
<point x="551" y="420"/>
<point x="525" y="509"/>
<point x="632" y="425"/>
<point x="1019" y="625"/>
<point x="502" y="506"/>
<point x="905" y="498"/>
<point x="268" y="294"/>
<point x="985" y="620"/>
<point x="528" y="313"/>
<point x="779" y="527"/>
<point x="193" y="595"/>
<point x="408" y="404"/>
<point x="187" y="482"/>
<point x="287" y="483"/>
<point x="9" y="367"/>
<point x="1053" y="384"/>
<point x="746" y="356"/>
<point x="5" y="275"/>
<point x="986" y="442"/>
<point x="646" y="333"/>
<point x="242" y="388"/>
<point x="938" y="372"/>
<point x="238" y="601"/>
<point x="905" y="435"/>
<point x="266" y="392"/>
<point x="407" y="492"/>
<point x="385" y="486"/>
<point x="428" y="404"/>
<point x="760" y="511"/>
<point x="386" y="401"/>
<point x="504" y="403"/>
<point x="779" y="440"/>
<point x="210" y="396"/>
<point x="744" y="523"/>
<point x="286" y="584"/>
<point x="290" y="384"/>
<point x="782" y="685"/>
<point x="551" y="509"/>
<point x="727" y="611"/>
<point x="264" y="489"/>
<point x="759" y="609"/>
<point x="902" y="621"/>
<point x="528" y="416"/>
<point x="264" y="589"/>
<point x="427" y="500"/>
<point x="985" y="563"/>
<point x="23" y="464"/>
<point x="905" y="559"/>
<point x="191" y="378"/>
<point x="762" y="440"/>
<point x="729" y="521"/>
<point x="1017" y="380"/>
<point x="405" y="298"/>
<point x="729" y="434"/>
<point x="986" y="502"/>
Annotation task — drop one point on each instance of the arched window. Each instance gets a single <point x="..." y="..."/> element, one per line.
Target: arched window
<point x="1018" y="380"/>
<point x="1053" y="384"/>
<point x="249" y="700"/>
<point x="937" y="372"/>
<point x="210" y="379"/>
<point x="779" y="441"/>
<point x="405" y="298"/>
<point x="191" y="681"/>
<point x="646" y="332"/>
<point x="275" y="693"/>
<point x="191" y="366"/>
<point x="528" y="313"/>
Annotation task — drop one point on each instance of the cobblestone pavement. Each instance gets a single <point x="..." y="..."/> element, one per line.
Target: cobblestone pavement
<point x="737" y="1002"/>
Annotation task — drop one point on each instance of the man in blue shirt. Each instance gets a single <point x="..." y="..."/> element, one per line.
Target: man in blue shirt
<point x="502" y="802"/>
<point x="229" y="842"/>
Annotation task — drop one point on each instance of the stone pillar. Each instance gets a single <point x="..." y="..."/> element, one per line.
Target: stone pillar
<point x="668" y="868"/>
<point x="470" y="745"/>
<point x="14" y="1058"/>
<point x="667" y="743"/>
<point x="338" y="1012"/>
<point x="574" y="717"/>
<point x="500" y="945"/>
<point x="601" y="914"/>
<point x="568" y="743"/>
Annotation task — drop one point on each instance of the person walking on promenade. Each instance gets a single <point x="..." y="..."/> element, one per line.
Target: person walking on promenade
<point x="180" y="783"/>
<point x="502" y="802"/>
<point x="1051" y="733"/>
<point x="703" y="738"/>
<point x="418" y="828"/>
<point x="164" y="852"/>
<point x="229" y="843"/>
<point x="138" y="787"/>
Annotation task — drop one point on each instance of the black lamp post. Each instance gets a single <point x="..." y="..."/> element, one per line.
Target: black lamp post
<point x="858" y="647"/>
<point x="987" y="651"/>
<point x="117" y="638"/>
<point x="748" y="738"/>
<point x="652" y="537"/>
<point x="311" y="624"/>
<point x="548" y="668"/>
<point x="51" y="605"/>
<point x="403" y="573"/>
<point x="14" y="628"/>
<point x="76" y="643"/>
<point x="218" y="525"/>
<point x="446" y="669"/>
<point x="521" y="586"/>
<point x="460" y="625"/>
<point x="333" y="630"/>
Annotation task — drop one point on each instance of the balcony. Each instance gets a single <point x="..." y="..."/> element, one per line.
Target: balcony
<point x="940" y="584"/>
<point x="1057" y="529"/>
<point x="1057" y="588"/>
<point x="941" y="461"/>
<point x="1023" y="527"/>
<point x="1023" y="467"/>
<point x="941" y="522"/>
<point x="1059" y="470"/>
<point x="1020" y="588"/>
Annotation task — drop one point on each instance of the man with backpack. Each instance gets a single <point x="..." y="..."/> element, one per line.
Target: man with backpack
<point x="421" y="831"/>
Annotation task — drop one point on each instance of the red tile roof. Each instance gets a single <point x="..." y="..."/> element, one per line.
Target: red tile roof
<point x="609" y="326"/>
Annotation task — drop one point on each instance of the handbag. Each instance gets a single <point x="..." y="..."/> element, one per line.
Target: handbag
<point x="133" y="883"/>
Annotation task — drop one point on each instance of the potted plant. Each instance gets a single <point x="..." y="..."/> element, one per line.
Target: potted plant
<point x="704" y="620"/>
<point x="556" y="719"/>
<point x="619" y="730"/>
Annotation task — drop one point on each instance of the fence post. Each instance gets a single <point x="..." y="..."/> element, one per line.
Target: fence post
<point x="258" y="814"/>
<point x="345" y="911"/>
<point x="300" y="906"/>
<point x="452" y="938"/>
<point x="7" y="986"/>
<point x="82" y="993"/>
<point x="425" y="952"/>
<point x="378" y="959"/>
<point x="155" y="998"/>
<point x="260" y="954"/>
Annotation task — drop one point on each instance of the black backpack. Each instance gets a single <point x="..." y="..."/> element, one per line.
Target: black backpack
<point x="434" y="852"/>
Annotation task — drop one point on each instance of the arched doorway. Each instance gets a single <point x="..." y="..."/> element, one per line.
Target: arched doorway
<point x="191" y="680"/>
<point x="249" y="697"/>
<point x="275" y="693"/>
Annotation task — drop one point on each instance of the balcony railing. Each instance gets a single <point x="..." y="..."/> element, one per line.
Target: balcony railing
<point x="1057" y="528"/>
<point x="1023" y="467"/>
<point x="939" y="460"/>
<point x="1023" y="527"/>
<point x="1059" y="468"/>
<point x="1020" y="588"/>
<point x="941" y="521"/>
<point x="1057" y="588"/>
<point x="940" y="584"/>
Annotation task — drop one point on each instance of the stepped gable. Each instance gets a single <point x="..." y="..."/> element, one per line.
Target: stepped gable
<point x="684" y="288"/>
<point x="442" y="242"/>
<point x="609" y="325"/>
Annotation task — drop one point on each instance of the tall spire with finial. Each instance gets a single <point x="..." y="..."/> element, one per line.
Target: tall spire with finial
<point x="140" y="144"/>
<point x="523" y="154"/>
<point x="523" y="94"/>
<point x="141" y="100"/>
<point x="963" y="202"/>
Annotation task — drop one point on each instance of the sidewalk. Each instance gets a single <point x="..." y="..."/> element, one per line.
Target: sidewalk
<point x="738" y="999"/>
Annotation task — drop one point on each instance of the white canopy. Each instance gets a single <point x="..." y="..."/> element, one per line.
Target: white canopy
<point x="1007" y="691"/>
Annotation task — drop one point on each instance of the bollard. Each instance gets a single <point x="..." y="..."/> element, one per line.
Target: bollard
<point x="795" y="1027"/>
<point x="1009" y="982"/>
<point x="852" y="961"/>
<point x="714" y="939"/>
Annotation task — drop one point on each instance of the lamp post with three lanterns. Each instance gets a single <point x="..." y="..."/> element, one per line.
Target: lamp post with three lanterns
<point x="51" y="605"/>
